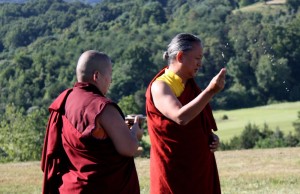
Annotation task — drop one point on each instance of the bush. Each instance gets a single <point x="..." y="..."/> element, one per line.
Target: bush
<point x="250" y="136"/>
<point x="233" y="144"/>
<point x="224" y="117"/>
<point x="22" y="134"/>
<point x="291" y="141"/>
<point x="253" y="137"/>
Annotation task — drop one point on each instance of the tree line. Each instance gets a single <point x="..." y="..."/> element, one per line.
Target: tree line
<point x="255" y="137"/>
<point x="41" y="40"/>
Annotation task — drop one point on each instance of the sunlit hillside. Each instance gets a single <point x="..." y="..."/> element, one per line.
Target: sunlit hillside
<point x="270" y="7"/>
<point x="275" y="116"/>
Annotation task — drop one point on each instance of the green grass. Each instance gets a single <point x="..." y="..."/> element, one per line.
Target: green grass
<point x="265" y="171"/>
<point x="267" y="9"/>
<point x="20" y="178"/>
<point x="276" y="115"/>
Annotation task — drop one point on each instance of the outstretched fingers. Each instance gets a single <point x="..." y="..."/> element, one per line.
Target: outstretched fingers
<point x="218" y="82"/>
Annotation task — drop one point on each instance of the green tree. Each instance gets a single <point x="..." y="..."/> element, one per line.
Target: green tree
<point x="133" y="73"/>
<point x="40" y="42"/>
<point x="244" y="3"/>
<point x="285" y="40"/>
<point x="152" y="12"/>
<point x="22" y="134"/>
<point x="293" y="5"/>
<point x="240" y="66"/>
<point x="128" y="105"/>
<point x="271" y="76"/>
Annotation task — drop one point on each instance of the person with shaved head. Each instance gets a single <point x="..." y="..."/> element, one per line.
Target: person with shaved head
<point x="88" y="147"/>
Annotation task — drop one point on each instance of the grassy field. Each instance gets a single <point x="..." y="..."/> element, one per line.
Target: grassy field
<point x="267" y="171"/>
<point x="276" y="115"/>
<point x="275" y="171"/>
<point x="271" y="7"/>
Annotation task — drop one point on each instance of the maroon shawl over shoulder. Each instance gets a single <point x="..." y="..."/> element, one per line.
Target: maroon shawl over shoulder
<point x="83" y="164"/>
<point x="180" y="159"/>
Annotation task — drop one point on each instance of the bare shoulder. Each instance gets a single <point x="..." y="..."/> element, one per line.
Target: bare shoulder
<point x="159" y="87"/>
<point x="109" y="112"/>
<point x="165" y="100"/>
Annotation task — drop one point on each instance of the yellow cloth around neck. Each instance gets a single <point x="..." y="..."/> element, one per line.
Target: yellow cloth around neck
<point x="173" y="80"/>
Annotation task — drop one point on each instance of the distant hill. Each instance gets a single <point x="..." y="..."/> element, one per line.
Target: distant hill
<point x="12" y="1"/>
<point x="281" y="115"/>
<point x="24" y="1"/>
<point x="85" y="1"/>
<point x="270" y="7"/>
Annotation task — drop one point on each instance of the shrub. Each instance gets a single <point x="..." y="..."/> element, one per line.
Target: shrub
<point x="253" y="137"/>
<point x="250" y="136"/>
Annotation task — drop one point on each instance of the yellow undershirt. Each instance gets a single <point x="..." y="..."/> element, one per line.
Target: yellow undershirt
<point x="173" y="81"/>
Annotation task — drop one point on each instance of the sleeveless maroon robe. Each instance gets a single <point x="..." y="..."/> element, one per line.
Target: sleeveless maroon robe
<point x="180" y="159"/>
<point x="90" y="165"/>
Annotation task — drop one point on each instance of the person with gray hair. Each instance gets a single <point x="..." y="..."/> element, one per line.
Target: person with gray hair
<point x="88" y="146"/>
<point x="180" y="123"/>
<point x="181" y="42"/>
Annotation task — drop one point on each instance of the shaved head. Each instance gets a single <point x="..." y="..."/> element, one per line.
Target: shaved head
<point x="89" y="62"/>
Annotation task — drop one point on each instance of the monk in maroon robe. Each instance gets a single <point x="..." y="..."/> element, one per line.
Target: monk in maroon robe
<point x="88" y="147"/>
<point x="180" y="123"/>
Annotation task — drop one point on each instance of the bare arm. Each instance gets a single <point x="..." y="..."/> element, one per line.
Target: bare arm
<point x="168" y="104"/>
<point x="124" y="139"/>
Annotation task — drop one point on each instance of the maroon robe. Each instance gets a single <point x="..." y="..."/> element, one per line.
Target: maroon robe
<point x="180" y="159"/>
<point x="83" y="164"/>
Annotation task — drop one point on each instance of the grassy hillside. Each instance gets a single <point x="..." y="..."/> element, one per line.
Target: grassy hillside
<point x="276" y="115"/>
<point x="271" y="7"/>
<point x="275" y="171"/>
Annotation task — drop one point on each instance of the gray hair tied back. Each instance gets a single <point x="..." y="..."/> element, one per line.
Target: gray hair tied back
<point x="181" y="42"/>
<point x="166" y="55"/>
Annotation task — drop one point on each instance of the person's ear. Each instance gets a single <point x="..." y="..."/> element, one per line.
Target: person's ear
<point x="179" y="56"/>
<point x="96" y="75"/>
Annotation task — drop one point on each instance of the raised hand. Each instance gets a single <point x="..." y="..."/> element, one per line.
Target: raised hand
<point x="218" y="82"/>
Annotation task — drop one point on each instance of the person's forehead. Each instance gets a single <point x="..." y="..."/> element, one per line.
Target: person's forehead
<point x="197" y="49"/>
